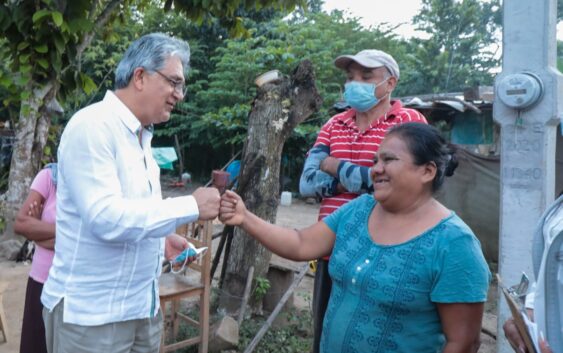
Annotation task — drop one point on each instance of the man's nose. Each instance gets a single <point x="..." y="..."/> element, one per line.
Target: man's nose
<point x="179" y="95"/>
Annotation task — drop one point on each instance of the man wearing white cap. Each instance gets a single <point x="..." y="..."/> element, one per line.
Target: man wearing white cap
<point x="337" y="167"/>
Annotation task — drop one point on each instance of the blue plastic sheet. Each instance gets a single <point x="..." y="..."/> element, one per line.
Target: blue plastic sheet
<point x="164" y="157"/>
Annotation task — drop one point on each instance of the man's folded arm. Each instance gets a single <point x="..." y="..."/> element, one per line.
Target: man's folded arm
<point x="354" y="178"/>
<point x="315" y="182"/>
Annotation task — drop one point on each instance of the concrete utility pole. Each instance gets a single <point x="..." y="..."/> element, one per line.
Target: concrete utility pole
<point x="527" y="108"/>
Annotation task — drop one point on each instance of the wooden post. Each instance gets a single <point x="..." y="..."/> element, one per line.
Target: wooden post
<point x="180" y="157"/>
<point x="249" y="279"/>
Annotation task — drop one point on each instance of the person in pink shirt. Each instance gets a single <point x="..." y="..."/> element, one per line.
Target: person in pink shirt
<point x="36" y="221"/>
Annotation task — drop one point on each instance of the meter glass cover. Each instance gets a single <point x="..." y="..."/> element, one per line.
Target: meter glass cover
<point x="512" y="92"/>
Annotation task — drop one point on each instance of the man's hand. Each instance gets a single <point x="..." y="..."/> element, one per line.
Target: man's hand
<point x="330" y="165"/>
<point x="208" y="200"/>
<point x="174" y="245"/>
<point x="544" y="347"/>
<point x="513" y="336"/>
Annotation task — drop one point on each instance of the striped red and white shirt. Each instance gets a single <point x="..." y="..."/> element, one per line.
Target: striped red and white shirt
<point x="347" y="143"/>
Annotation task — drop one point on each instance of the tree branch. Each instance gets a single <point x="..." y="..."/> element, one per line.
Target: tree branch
<point x="93" y="8"/>
<point x="101" y="21"/>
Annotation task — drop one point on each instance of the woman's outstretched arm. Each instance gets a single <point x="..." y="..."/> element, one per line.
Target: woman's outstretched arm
<point x="298" y="245"/>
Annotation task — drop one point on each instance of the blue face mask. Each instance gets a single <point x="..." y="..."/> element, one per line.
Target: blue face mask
<point x="361" y="95"/>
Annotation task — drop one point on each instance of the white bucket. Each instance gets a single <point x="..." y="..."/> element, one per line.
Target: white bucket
<point x="285" y="198"/>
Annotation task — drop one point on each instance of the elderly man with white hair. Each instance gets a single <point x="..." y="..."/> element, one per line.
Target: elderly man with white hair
<point x="113" y="227"/>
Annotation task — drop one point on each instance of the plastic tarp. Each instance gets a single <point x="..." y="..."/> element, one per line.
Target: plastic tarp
<point x="471" y="128"/>
<point x="233" y="169"/>
<point x="164" y="157"/>
<point x="474" y="194"/>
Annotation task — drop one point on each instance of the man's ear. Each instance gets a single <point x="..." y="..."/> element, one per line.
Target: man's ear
<point x="391" y="83"/>
<point x="139" y="78"/>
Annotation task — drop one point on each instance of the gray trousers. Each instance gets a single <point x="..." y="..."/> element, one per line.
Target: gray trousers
<point x="133" y="336"/>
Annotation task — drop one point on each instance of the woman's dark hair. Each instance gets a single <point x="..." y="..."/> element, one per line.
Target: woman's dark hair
<point x="427" y="145"/>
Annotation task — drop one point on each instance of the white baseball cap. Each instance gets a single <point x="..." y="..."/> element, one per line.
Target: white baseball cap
<point x="370" y="58"/>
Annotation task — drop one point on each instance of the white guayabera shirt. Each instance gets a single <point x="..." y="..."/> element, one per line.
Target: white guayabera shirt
<point x="111" y="219"/>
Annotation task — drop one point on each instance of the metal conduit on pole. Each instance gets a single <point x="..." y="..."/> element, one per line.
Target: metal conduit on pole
<point x="527" y="108"/>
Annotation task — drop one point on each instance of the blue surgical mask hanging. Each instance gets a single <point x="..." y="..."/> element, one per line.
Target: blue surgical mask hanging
<point x="361" y="95"/>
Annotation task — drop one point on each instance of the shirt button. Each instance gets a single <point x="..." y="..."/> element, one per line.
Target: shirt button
<point x="353" y="281"/>
<point x="367" y="261"/>
<point x="358" y="268"/>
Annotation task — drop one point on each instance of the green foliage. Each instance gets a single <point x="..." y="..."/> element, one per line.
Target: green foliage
<point x="211" y="123"/>
<point x="43" y="44"/>
<point x="50" y="149"/>
<point x="214" y="117"/>
<point x="186" y="330"/>
<point x="262" y="285"/>
<point x="461" y="49"/>
<point x="98" y="63"/>
<point x="294" y="336"/>
<point x="228" y="12"/>
<point x="8" y="109"/>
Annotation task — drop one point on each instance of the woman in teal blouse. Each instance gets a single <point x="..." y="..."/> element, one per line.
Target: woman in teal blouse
<point x="408" y="274"/>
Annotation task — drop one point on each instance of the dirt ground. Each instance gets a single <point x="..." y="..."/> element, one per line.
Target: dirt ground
<point x="297" y="215"/>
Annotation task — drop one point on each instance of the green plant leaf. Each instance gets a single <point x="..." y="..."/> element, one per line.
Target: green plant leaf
<point x="43" y="63"/>
<point x="39" y="15"/>
<point x="59" y="43"/>
<point x="24" y="95"/>
<point x="25" y="68"/>
<point x="22" y="46"/>
<point x="24" y="58"/>
<point x="22" y="80"/>
<point x="57" y="18"/>
<point x="88" y="85"/>
<point x="5" y="81"/>
<point x="42" y="48"/>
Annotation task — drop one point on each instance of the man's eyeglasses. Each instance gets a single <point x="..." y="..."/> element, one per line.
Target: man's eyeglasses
<point x="179" y="86"/>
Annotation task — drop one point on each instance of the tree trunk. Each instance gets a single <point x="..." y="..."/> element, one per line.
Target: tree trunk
<point x="277" y="109"/>
<point x="31" y="132"/>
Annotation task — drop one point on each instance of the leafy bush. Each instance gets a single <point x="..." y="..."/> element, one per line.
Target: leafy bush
<point x="294" y="336"/>
<point x="262" y="287"/>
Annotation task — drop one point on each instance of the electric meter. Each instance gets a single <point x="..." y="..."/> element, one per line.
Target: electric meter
<point x="520" y="91"/>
